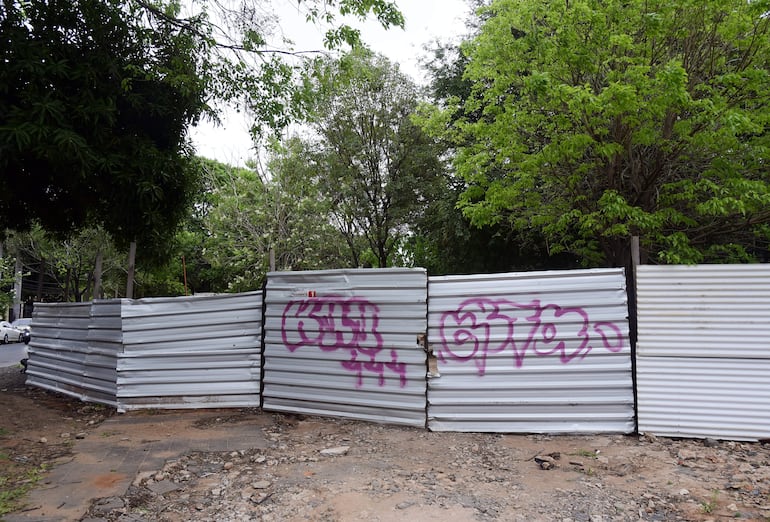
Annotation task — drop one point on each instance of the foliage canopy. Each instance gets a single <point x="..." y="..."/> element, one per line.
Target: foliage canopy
<point x="95" y="100"/>
<point x="377" y="165"/>
<point x="251" y="215"/>
<point x="592" y="121"/>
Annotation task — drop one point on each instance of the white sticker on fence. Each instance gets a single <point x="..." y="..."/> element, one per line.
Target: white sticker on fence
<point x="530" y="352"/>
<point x="345" y="343"/>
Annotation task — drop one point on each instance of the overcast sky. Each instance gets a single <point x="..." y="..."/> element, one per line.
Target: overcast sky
<point x="426" y="20"/>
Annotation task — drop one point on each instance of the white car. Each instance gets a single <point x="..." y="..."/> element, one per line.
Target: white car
<point x="9" y="334"/>
<point x="24" y="325"/>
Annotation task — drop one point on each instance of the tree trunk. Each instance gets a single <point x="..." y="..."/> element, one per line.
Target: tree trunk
<point x="382" y="255"/>
<point x="67" y="286"/>
<point x="131" y="268"/>
<point x="17" y="288"/>
<point x="98" y="276"/>
<point x="617" y="252"/>
<point x="40" y="281"/>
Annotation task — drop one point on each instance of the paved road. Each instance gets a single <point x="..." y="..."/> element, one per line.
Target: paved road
<point x="11" y="354"/>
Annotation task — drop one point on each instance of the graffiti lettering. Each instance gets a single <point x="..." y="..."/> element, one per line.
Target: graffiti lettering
<point x="483" y="326"/>
<point x="338" y="323"/>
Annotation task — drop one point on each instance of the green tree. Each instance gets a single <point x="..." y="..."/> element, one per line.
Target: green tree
<point x="591" y="121"/>
<point x="7" y="279"/>
<point x="251" y="63"/>
<point x="376" y="163"/>
<point x="445" y="241"/>
<point x="95" y="100"/>
<point x="187" y="262"/>
<point x="284" y="213"/>
<point x="96" y="97"/>
<point x="65" y="268"/>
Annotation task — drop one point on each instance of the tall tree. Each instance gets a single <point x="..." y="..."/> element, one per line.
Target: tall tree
<point x="59" y="268"/>
<point x="96" y="97"/>
<point x="7" y="279"/>
<point x="250" y="62"/>
<point x="445" y="241"/>
<point x="377" y="161"/>
<point x="284" y="213"/>
<point x="95" y="100"/>
<point x="592" y="121"/>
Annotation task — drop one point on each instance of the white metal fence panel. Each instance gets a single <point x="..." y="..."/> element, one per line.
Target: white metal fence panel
<point x="345" y="343"/>
<point x="704" y="397"/>
<point x="105" y="343"/>
<point x="191" y="352"/>
<point x="702" y="352"/>
<point x="61" y="357"/>
<point x="544" y="352"/>
<point x="704" y="311"/>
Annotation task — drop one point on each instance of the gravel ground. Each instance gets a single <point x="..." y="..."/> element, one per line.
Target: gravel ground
<point x="338" y="470"/>
<point x="325" y="469"/>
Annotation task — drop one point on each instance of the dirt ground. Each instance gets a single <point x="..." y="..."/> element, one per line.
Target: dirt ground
<point x="312" y="468"/>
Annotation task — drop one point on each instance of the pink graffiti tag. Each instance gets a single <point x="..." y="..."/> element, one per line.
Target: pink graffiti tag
<point x="339" y="323"/>
<point x="483" y="326"/>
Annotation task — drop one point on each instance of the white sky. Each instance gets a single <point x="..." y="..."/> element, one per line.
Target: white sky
<point x="426" y="20"/>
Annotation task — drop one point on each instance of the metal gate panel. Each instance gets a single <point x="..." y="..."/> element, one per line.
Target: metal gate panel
<point x="345" y="343"/>
<point x="530" y="352"/>
<point x="191" y="352"/>
<point x="702" y="351"/>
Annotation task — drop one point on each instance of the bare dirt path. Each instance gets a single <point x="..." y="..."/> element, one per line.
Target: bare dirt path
<point x="310" y="468"/>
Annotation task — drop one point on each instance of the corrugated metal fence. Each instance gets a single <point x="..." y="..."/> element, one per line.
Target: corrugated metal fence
<point x="184" y="352"/>
<point x="531" y="352"/>
<point x="68" y="356"/>
<point x="345" y="343"/>
<point x="191" y="352"/>
<point x="703" y="355"/>
<point x="523" y="352"/>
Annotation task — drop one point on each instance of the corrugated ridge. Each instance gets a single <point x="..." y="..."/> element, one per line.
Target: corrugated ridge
<point x="703" y="355"/>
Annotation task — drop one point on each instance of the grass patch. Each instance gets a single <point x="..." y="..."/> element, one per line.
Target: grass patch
<point x="586" y="453"/>
<point x="711" y="505"/>
<point x="13" y="489"/>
